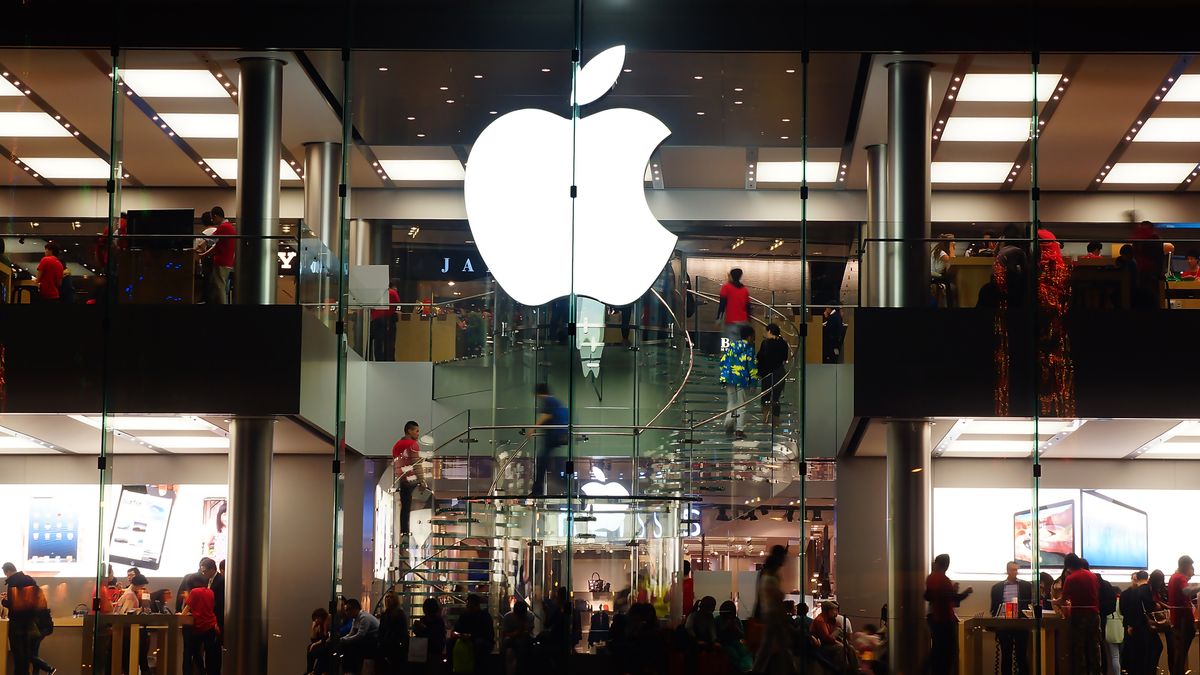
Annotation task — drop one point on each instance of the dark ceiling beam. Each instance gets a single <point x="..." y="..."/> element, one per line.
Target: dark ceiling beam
<point x="1021" y="163"/>
<point x="751" y="168"/>
<point x="42" y="104"/>
<point x="857" y="99"/>
<point x="961" y="66"/>
<point x="335" y="105"/>
<point x="1160" y="92"/>
<point x="12" y="157"/>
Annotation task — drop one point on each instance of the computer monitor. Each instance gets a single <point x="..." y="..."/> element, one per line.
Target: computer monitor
<point x="1056" y="534"/>
<point x="152" y="228"/>
<point x="1115" y="535"/>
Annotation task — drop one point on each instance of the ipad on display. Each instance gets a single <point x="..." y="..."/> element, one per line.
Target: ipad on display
<point x="140" y="528"/>
<point x="53" y="537"/>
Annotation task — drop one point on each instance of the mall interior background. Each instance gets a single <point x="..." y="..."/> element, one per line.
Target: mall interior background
<point x="766" y="168"/>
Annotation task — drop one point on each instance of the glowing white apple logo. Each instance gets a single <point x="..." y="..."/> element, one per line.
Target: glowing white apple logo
<point x="524" y="220"/>
<point x="610" y="517"/>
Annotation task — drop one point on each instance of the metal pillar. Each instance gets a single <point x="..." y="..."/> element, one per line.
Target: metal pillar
<point x="909" y="156"/>
<point x="260" y="101"/>
<point x="905" y="283"/>
<point x="260" y="111"/>
<point x="322" y="171"/>
<point x="873" y="268"/>
<point x="907" y="543"/>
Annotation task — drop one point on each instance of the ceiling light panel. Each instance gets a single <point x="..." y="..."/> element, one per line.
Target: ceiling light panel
<point x="1161" y="173"/>
<point x="174" y="83"/>
<point x="31" y="125"/>
<point x="969" y="172"/>
<point x="1020" y="427"/>
<point x="423" y="169"/>
<point x="68" y="167"/>
<point x="1185" y="90"/>
<point x="1006" y="87"/>
<point x="187" y="442"/>
<point x="987" y="129"/>
<point x="202" y="125"/>
<point x="18" y="443"/>
<point x="8" y="89"/>
<point x="149" y="423"/>
<point x="1191" y="450"/>
<point x="793" y="172"/>
<point x="227" y="169"/>
<point x="1169" y="130"/>
<point x="990" y="448"/>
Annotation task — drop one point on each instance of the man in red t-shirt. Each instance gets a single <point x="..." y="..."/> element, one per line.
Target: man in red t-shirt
<point x="734" y="306"/>
<point x="942" y="595"/>
<point x="406" y="457"/>
<point x="199" y="604"/>
<point x="50" y="274"/>
<point x="1081" y="597"/>
<point x="1183" y="625"/>
<point x="383" y="327"/>
<point x="223" y="254"/>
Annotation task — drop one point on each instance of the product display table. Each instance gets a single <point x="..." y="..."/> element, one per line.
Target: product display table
<point x="59" y="622"/>
<point x="1052" y="655"/>
<point x="131" y="625"/>
<point x="967" y="276"/>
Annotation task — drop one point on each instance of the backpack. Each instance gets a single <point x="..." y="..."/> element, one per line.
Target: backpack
<point x="45" y="623"/>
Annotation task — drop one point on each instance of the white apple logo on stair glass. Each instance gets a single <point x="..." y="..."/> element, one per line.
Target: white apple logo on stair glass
<point x="518" y="198"/>
<point x="610" y="516"/>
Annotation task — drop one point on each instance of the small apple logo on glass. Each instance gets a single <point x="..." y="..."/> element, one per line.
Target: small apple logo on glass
<point x="522" y="216"/>
<point x="610" y="516"/>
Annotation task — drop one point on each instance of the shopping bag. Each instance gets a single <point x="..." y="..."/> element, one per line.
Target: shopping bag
<point x="418" y="650"/>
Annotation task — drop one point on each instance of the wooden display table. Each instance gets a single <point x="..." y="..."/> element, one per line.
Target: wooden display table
<point x="967" y="276"/>
<point x="1052" y="656"/>
<point x="59" y="622"/>
<point x="131" y="625"/>
<point x="1183" y="294"/>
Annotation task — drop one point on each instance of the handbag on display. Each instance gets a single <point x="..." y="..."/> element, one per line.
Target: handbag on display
<point x="598" y="585"/>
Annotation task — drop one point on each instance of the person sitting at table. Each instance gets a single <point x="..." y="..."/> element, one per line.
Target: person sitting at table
<point x="983" y="249"/>
<point x="1093" y="250"/>
<point x="1193" y="266"/>
<point x="939" y="262"/>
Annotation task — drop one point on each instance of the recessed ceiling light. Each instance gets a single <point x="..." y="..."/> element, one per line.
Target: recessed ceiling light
<point x="789" y="71"/>
<point x="792" y="172"/>
<point x="1149" y="172"/>
<point x="699" y="112"/>
<point x="30" y="125"/>
<point x="786" y="119"/>
<point x="1170" y="130"/>
<point x="737" y="89"/>
<point x="202" y="125"/>
<point x="999" y="129"/>
<point x="420" y="135"/>
<point x="697" y="77"/>
<point x="737" y="102"/>
<point x="629" y="70"/>
<point x="444" y="88"/>
<point x="173" y="83"/>
<point x="1006" y="86"/>
<point x="411" y="118"/>
<point x="491" y="112"/>
<point x="969" y="172"/>
<point x="545" y="70"/>
<point x="383" y="69"/>
<point x="68" y="167"/>
<point x="783" y="138"/>
<point x="423" y="169"/>
<point x="1186" y="89"/>
<point x="449" y="100"/>
<point x="227" y="168"/>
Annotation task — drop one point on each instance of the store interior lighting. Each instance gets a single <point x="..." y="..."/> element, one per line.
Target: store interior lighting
<point x="987" y="129"/>
<point x="1186" y="89"/>
<point x="226" y="168"/>
<point x="969" y="172"/>
<point x="31" y="125"/>
<point x="423" y="169"/>
<point x="1000" y="87"/>
<point x="68" y="167"/>
<point x="1169" y="130"/>
<point x="793" y="172"/>
<point x="201" y="125"/>
<point x="1150" y="173"/>
<point x="172" y="83"/>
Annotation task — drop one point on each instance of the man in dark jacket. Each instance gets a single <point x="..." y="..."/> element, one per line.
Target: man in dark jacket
<point x="1013" y="644"/>
<point x="21" y="602"/>
<point x="1011" y="271"/>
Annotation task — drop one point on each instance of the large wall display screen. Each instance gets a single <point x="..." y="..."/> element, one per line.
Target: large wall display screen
<point x="982" y="529"/>
<point x="54" y="530"/>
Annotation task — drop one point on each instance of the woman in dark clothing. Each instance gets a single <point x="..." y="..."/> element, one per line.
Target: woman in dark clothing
<point x="772" y="367"/>
<point x="318" y="642"/>
<point x="432" y="626"/>
<point x="475" y="625"/>
<point x="393" y="636"/>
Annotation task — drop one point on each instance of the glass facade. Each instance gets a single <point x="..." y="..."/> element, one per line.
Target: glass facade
<point x="602" y="328"/>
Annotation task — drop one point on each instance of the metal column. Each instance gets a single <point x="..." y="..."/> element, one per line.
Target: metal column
<point x="873" y="267"/>
<point x="905" y="283"/>
<point x="260" y="106"/>
<point x="322" y="171"/>
<point x="909" y="156"/>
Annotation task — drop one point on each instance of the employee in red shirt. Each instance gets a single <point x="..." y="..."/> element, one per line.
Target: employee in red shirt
<point x="50" y="275"/>
<point x="734" y="307"/>
<point x="406" y="457"/>
<point x="943" y="596"/>
<point x="1183" y="624"/>
<point x="199" y="604"/>
<point x="1081" y="600"/>
<point x="1093" y="250"/>
<point x="1193" y="266"/>
<point x="223" y="256"/>
<point x="383" y="327"/>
